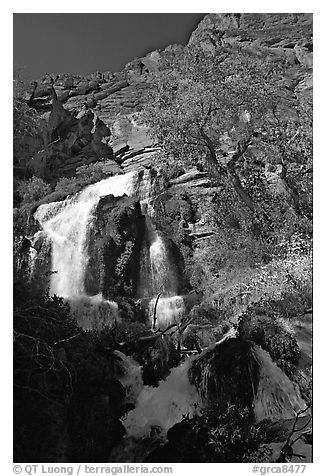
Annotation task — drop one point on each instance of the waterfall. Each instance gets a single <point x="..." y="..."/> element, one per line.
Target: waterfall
<point x="67" y="223"/>
<point x="159" y="263"/>
<point x="94" y="312"/>
<point x="162" y="280"/>
<point x="170" y="307"/>
<point x="169" y="310"/>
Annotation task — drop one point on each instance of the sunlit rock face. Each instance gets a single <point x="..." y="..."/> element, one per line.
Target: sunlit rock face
<point x="287" y="35"/>
<point x="118" y="98"/>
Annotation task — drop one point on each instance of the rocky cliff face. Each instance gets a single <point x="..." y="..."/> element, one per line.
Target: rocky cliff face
<point x="92" y="112"/>
<point x="287" y="36"/>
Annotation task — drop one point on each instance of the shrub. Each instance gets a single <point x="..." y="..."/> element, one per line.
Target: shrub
<point x="65" y="383"/>
<point x="33" y="190"/>
<point x="272" y="335"/>
<point x="216" y="437"/>
<point x="85" y="175"/>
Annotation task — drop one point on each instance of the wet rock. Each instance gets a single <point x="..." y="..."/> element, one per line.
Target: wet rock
<point x="216" y="383"/>
<point x="94" y="429"/>
<point x="114" y="247"/>
<point x="239" y="373"/>
<point x="271" y="335"/>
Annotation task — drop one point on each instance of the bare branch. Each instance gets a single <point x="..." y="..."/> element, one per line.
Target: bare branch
<point x="69" y="338"/>
<point x="155" y="308"/>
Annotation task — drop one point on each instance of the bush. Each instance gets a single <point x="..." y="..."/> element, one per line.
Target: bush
<point x="215" y="437"/>
<point x="33" y="190"/>
<point x="94" y="172"/>
<point x="68" y="186"/>
<point x="85" y="175"/>
<point x="65" y="384"/>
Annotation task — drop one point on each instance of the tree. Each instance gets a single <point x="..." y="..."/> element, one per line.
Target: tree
<point x="216" y="108"/>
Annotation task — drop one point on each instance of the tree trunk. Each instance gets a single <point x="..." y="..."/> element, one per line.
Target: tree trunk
<point x="232" y="174"/>
<point x="244" y="196"/>
<point x="291" y="190"/>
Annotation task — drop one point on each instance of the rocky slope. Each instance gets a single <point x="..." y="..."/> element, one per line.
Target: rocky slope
<point x="116" y="98"/>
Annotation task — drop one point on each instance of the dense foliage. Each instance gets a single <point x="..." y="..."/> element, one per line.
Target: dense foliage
<point x="67" y="397"/>
<point x="214" y="437"/>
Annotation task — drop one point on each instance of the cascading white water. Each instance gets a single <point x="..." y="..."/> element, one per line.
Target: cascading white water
<point x="159" y="263"/>
<point x="170" y="307"/>
<point x="131" y="377"/>
<point x="277" y="397"/>
<point x="165" y="405"/>
<point x="66" y="224"/>
<point x="169" y="310"/>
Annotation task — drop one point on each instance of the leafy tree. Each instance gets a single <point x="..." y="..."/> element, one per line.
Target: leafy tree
<point x="42" y="376"/>
<point x="217" y="109"/>
<point x="85" y="175"/>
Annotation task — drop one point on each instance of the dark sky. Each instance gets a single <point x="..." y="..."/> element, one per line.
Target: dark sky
<point x="83" y="43"/>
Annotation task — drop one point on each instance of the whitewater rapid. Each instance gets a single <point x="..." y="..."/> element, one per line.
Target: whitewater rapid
<point x="276" y="396"/>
